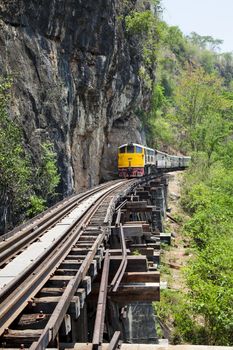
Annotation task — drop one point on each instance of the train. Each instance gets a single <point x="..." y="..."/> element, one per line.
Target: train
<point x="136" y="160"/>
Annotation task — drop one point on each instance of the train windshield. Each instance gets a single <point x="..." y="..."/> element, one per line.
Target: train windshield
<point x="130" y="149"/>
<point x="122" y="150"/>
<point x="138" y="149"/>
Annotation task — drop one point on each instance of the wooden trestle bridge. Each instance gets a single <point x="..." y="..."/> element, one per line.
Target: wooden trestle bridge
<point x="67" y="276"/>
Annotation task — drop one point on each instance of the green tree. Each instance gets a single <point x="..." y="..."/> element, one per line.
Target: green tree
<point x="205" y="42"/>
<point x="25" y="189"/>
<point x="14" y="165"/>
<point x="147" y="31"/>
<point x="210" y="285"/>
<point x="47" y="177"/>
<point x="202" y="110"/>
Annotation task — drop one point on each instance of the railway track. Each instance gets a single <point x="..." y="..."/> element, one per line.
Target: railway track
<point x="47" y="267"/>
<point x="15" y="241"/>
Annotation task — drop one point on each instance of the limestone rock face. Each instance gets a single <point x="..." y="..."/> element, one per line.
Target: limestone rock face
<point x="76" y="82"/>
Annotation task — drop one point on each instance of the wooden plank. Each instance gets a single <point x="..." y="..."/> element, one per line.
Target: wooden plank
<point x="86" y="239"/>
<point x="48" y="292"/>
<point x="58" y="281"/>
<point x="135" y="263"/>
<point x="117" y="252"/>
<point x="16" y="337"/>
<point x="132" y="292"/>
<point x="135" y="223"/>
<point x="74" y="264"/>
<point x="129" y="230"/>
<point x="66" y="272"/>
<point x="53" y="291"/>
<point x="148" y="252"/>
<point x="33" y="321"/>
<point x="135" y="277"/>
<point x="87" y="245"/>
<point x="84" y="251"/>
<point x="46" y="305"/>
<point x="136" y="205"/>
<point x="147" y="208"/>
<point x="79" y="258"/>
<point x="143" y="195"/>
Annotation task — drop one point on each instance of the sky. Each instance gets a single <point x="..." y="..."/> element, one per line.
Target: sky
<point x="205" y="17"/>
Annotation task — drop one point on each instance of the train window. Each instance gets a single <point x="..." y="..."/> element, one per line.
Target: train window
<point x="122" y="149"/>
<point x="151" y="153"/>
<point x="138" y="149"/>
<point x="130" y="149"/>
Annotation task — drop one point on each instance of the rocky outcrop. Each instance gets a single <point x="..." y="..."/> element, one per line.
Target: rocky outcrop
<point x="76" y="82"/>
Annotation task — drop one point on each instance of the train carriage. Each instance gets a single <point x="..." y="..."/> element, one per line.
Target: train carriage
<point x="162" y="160"/>
<point x="186" y="161"/>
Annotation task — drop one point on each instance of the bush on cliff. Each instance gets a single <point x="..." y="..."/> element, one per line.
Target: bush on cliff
<point x="25" y="189"/>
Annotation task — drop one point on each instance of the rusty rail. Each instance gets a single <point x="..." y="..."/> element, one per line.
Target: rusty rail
<point x="101" y="305"/>
<point x="15" y="299"/>
<point x="121" y="270"/>
<point x="115" y="341"/>
<point x="118" y="218"/>
<point x="13" y="243"/>
<point x="52" y="327"/>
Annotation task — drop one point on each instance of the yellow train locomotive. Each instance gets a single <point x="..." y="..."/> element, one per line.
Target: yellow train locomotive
<point x="135" y="160"/>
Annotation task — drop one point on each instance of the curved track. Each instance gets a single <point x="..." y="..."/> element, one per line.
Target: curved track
<point x="33" y="256"/>
<point x="14" y="242"/>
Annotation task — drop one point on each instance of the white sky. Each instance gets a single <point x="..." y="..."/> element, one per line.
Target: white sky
<point x="205" y="17"/>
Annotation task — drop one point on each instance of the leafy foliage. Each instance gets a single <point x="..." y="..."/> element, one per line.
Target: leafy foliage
<point x="14" y="164"/>
<point x="192" y="112"/>
<point x="204" y="42"/>
<point x="23" y="188"/>
<point x="146" y="29"/>
<point x="211" y="284"/>
<point x="203" y="110"/>
<point x="37" y="205"/>
<point x="47" y="176"/>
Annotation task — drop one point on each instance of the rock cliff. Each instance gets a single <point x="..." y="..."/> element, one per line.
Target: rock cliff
<point x="76" y="82"/>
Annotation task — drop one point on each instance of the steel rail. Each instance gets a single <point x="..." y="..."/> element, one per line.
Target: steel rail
<point x="40" y="218"/>
<point x="19" y="279"/>
<point x="9" y="248"/>
<point x="121" y="205"/>
<point x="121" y="270"/>
<point x="118" y="218"/>
<point x="101" y="305"/>
<point x="16" y="299"/>
<point x="54" y="323"/>
<point x="114" y="343"/>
